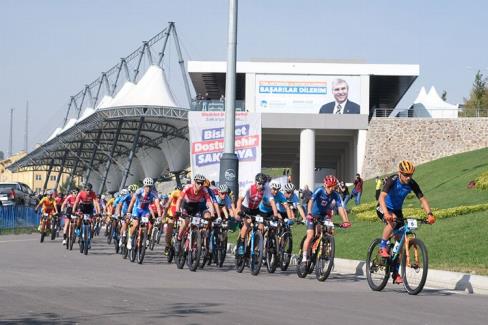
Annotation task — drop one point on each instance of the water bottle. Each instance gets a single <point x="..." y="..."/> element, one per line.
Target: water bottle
<point x="396" y="247"/>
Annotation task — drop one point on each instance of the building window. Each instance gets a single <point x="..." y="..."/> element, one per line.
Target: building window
<point x="52" y="178"/>
<point x="38" y="177"/>
<point x="38" y="189"/>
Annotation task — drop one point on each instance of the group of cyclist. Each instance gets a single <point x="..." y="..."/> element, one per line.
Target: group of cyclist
<point x="264" y="197"/>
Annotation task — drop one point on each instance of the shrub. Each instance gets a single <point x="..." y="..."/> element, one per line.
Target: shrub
<point x="482" y="181"/>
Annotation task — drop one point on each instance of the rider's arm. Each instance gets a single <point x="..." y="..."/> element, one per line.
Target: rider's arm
<point x="384" y="209"/>
<point x="217" y="209"/>
<point x="131" y="204"/>
<point x="274" y="208"/>
<point x="97" y="206"/>
<point x="178" y="202"/>
<point x="300" y="211"/>
<point x="158" y="207"/>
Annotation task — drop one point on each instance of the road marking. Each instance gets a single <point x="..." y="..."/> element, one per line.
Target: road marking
<point x="14" y="240"/>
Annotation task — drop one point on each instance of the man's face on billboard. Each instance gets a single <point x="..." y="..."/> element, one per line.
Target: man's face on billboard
<point x="340" y="91"/>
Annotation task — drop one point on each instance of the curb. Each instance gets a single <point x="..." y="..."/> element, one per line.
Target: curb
<point x="437" y="279"/>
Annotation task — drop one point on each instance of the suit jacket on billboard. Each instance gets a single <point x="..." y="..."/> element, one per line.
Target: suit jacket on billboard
<point x="351" y="108"/>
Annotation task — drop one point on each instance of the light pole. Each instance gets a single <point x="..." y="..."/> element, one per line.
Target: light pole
<point x="229" y="164"/>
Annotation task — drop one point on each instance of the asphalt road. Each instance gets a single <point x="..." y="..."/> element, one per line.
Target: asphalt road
<point x="45" y="284"/>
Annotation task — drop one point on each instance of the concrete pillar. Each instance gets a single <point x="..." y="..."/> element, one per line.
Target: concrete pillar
<point x="360" y="150"/>
<point x="307" y="158"/>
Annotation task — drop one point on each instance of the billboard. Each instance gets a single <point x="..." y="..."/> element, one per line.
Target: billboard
<point x="308" y="94"/>
<point x="207" y="144"/>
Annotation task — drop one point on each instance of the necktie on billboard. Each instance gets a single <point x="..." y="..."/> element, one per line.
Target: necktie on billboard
<point x="338" y="109"/>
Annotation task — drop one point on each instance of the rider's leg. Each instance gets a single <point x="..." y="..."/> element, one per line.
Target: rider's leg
<point x="306" y="243"/>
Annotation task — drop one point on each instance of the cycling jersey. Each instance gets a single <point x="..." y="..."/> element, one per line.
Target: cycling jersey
<point x="324" y="203"/>
<point x="125" y="200"/>
<point x="69" y="201"/>
<point x="225" y="202"/>
<point x="47" y="204"/>
<point x="143" y="201"/>
<point x="265" y="205"/>
<point x="292" y="201"/>
<point x="253" y="196"/>
<point x="86" y="200"/>
<point x="397" y="192"/>
<point x="172" y="206"/>
<point x="195" y="202"/>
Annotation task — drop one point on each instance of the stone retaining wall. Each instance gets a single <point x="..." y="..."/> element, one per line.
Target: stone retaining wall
<point x="391" y="140"/>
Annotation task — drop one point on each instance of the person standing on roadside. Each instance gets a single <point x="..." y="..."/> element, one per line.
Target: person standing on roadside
<point x="379" y="184"/>
<point x="358" y="189"/>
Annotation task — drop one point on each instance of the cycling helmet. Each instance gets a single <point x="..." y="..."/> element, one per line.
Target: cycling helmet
<point x="103" y="196"/>
<point x="330" y="181"/>
<point x="87" y="186"/>
<point x="74" y="191"/>
<point x="178" y="187"/>
<point x="124" y="191"/>
<point x="133" y="187"/>
<point x="261" y="178"/>
<point x="163" y="197"/>
<point x="406" y="167"/>
<point x="289" y="187"/>
<point x="275" y="186"/>
<point x="223" y="188"/>
<point x="148" y="181"/>
<point x="199" y="178"/>
<point x="50" y="192"/>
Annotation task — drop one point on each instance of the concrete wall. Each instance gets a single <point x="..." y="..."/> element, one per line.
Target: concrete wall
<point x="391" y="140"/>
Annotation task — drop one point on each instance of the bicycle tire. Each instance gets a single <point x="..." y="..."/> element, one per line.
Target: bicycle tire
<point x="154" y="235"/>
<point x="195" y="251"/>
<point x="132" y="251"/>
<point x="286" y="247"/>
<point x="325" y="258"/>
<point x="257" y="257"/>
<point x="221" y="250"/>
<point x="415" y="287"/>
<point x="271" y="255"/>
<point x="68" y="237"/>
<point x="181" y="258"/>
<point x="240" y="260"/>
<point x="141" y="251"/>
<point x="87" y="240"/>
<point x="301" y="270"/>
<point x="171" y="254"/>
<point x="109" y="233"/>
<point x="53" y="230"/>
<point x="124" y="250"/>
<point x="376" y="264"/>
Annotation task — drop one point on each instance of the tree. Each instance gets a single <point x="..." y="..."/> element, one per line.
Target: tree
<point x="478" y="99"/>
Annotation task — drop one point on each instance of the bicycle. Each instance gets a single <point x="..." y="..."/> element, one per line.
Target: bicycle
<point x="155" y="233"/>
<point x="54" y="226"/>
<point x="253" y="251"/>
<point x="218" y="242"/>
<point x="139" y="241"/>
<point x="285" y="244"/>
<point x="271" y="246"/>
<point x="85" y="235"/>
<point x="321" y="252"/>
<point x="406" y="249"/>
<point x="191" y="244"/>
<point x="114" y="233"/>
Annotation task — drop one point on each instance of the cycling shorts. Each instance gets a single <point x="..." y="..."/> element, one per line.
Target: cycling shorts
<point x="320" y="217"/>
<point x="137" y="213"/>
<point x="86" y="208"/>
<point x="398" y="223"/>
<point x="251" y="212"/>
<point x="192" y="209"/>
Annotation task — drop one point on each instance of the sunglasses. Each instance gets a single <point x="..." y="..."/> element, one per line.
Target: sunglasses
<point x="406" y="175"/>
<point x="259" y="183"/>
<point x="199" y="183"/>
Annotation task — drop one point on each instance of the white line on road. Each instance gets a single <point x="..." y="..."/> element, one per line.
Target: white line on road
<point x="14" y="240"/>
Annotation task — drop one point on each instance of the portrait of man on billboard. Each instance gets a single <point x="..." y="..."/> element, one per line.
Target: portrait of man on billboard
<point x="341" y="104"/>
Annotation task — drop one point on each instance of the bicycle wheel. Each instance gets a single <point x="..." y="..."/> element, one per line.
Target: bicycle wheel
<point x="124" y="250"/>
<point x="193" y="258"/>
<point x="240" y="259"/>
<point x="171" y="254"/>
<point x="204" y="253"/>
<point x="302" y="270"/>
<point x="72" y="238"/>
<point x="133" y="250"/>
<point x="181" y="256"/>
<point x="257" y="253"/>
<point x="325" y="258"/>
<point x="108" y="231"/>
<point x="53" y="229"/>
<point x="141" y="250"/>
<point x="270" y="253"/>
<point x="286" y="245"/>
<point x="68" y="237"/>
<point x="415" y="266"/>
<point x="377" y="267"/>
<point x="221" y="249"/>
<point x="86" y="239"/>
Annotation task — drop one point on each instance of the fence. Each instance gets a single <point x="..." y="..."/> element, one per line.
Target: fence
<point x="12" y="217"/>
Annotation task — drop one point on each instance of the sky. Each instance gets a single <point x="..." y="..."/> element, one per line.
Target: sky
<point x="49" y="49"/>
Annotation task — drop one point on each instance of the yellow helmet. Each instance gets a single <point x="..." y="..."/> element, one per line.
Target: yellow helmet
<point x="406" y="167"/>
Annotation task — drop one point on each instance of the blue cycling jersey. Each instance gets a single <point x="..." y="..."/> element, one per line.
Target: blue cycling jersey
<point x="265" y="205"/>
<point x="292" y="202"/>
<point x="125" y="200"/>
<point x="323" y="202"/>
<point x="397" y="192"/>
<point x="144" y="200"/>
<point x="225" y="202"/>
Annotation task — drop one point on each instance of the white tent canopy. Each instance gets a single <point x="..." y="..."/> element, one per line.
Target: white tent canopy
<point x="432" y="105"/>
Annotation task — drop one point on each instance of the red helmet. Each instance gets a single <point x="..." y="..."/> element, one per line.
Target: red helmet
<point x="330" y="181"/>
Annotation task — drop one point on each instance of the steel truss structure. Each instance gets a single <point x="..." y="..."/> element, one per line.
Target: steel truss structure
<point x="111" y="135"/>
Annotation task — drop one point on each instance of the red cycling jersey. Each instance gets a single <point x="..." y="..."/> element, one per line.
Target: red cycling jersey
<point x="69" y="201"/>
<point x="189" y="196"/>
<point x="86" y="197"/>
<point x="253" y="197"/>
<point x="58" y="200"/>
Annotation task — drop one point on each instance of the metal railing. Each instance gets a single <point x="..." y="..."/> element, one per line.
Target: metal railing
<point x="432" y="113"/>
<point x="13" y="217"/>
<point x="215" y="105"/>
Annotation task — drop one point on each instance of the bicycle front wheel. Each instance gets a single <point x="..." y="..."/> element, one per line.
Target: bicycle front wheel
<point x="415" y="264"/>
<point x="377" y="267"/>
<point x="257" y="253"/>
<point x="325" y="260"/>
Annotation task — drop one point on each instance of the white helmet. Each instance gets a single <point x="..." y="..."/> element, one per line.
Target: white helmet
<point x="276" y="186"/>
<point x="148" y="181"/>
<point x="289" y="187"/>
<point x="124" y="191"/>
<point x="223" y="188"/>
<point x="199" y="178"/>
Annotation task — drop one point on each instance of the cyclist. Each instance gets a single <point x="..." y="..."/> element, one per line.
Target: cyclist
<point x="223" y="203"/>
<point x="139" y="205"/>
<point x="389" y="208"/>
<point x="67" y="207"/>
<point x="48" y="204"/>
<point x="322" y="204"/>
<point x="122" y="206"/>
<point x="248" y="204"/>
<point x="194" y="198"/>
<point x="292" y="201"/>
<point x="170" y="207"/>
<point x="87" y="202"/>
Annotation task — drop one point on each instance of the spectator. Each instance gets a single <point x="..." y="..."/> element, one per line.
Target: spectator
<point x="306" y="195"/>
<point x="344" y="192"/>
<point x="357" y="190"/>
<point x="222" y="98"/>
<point x="379" y="185"/>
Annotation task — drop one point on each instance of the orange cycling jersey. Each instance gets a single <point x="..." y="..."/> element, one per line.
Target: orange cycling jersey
<point x="173" y="198"/>
<point x="47" y="204"/>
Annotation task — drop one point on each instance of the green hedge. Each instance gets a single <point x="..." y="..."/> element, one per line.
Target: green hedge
<point x="482" y="181"/>
<point x="418" y="212"/>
